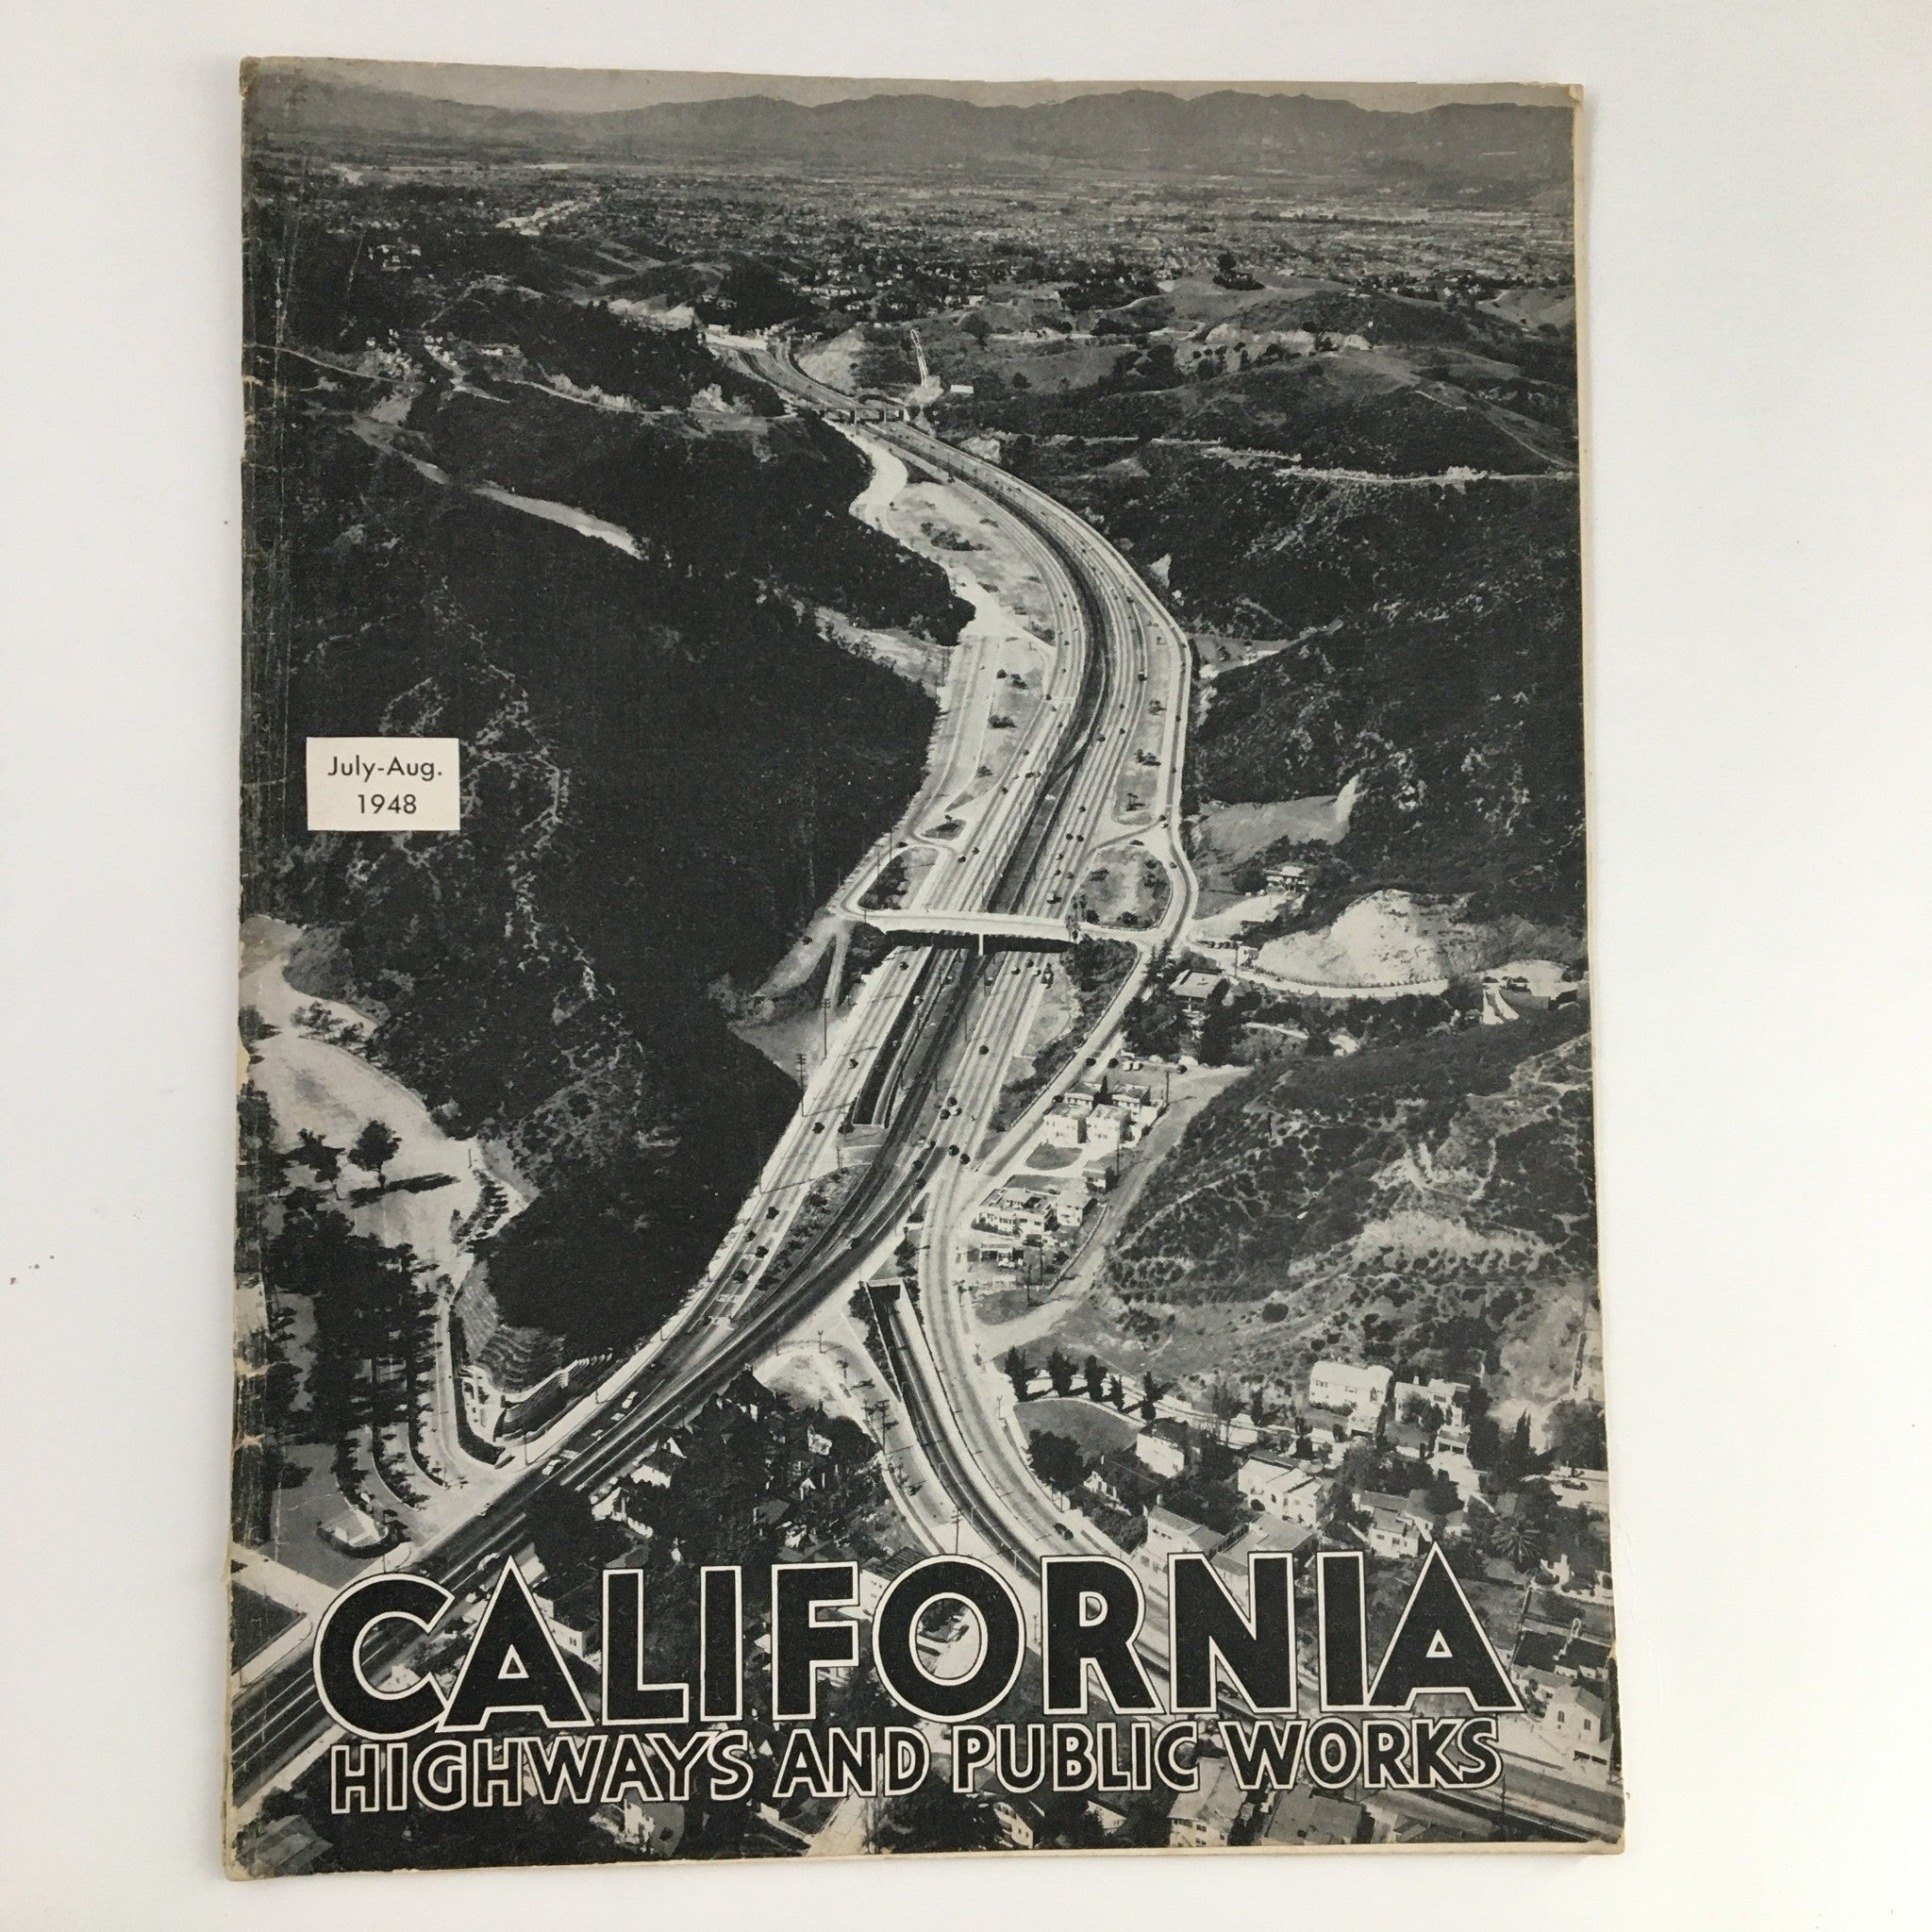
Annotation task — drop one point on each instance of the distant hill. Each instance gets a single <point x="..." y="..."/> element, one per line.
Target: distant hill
<point x="1491" y="152"/>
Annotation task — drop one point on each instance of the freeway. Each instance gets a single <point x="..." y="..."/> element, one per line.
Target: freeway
<point x="936" y="1012"/>
<point x="951" y="1395"/>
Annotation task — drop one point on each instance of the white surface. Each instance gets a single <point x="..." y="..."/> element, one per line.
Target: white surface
<point x="384" y="785"/>
<point x="1757" y="406"/>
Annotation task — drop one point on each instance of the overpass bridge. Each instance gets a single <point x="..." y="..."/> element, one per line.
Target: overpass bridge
<point x="1002" y="929"/>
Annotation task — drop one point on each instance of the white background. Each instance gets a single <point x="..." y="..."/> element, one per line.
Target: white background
<point x="1756" y="410"/>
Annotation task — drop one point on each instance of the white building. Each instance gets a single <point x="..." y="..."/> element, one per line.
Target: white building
<point x="1394" y="1534"/>
<point x="1289" y="1492"/>
<point x="1358" y="1388"/>
<point x="1575" y="1721"/>
<point x="1446" y="1398"/>
<point x="1161" y="1449"/>
<point x="1208" y="1813"/>
<point x="1013" y="1212"/>
<point x="1169" y="1535"/>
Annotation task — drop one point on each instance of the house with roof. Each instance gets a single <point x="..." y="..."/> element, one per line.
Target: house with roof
<point x="1560" y="1642"/>
<point x="1106" y="1128"/>
<point x="1021" y="1823"/>
<point x="285" y="1845"/>
<point x="1576" y="1725"/>
<point x="1015" y="1211"/>
<point x="1400" y="1526"/>
<point x="1118" y="1480"/>
<point x="1207" y="1814"/>
<point x="1138" y="1103"/>
<point x="1449" y="1455"/>
<point x="1305" y="1816"/>
<point x="1275" y="1482"/>
<point x="1197" y="989"/>
<point x="1329" y="1429"/>
<point x="1169" y="1534"/>
<point x="1357" y="1389"/>
<point x="576" y="1618"/>
<point x="1445" y="1397"/>
<point x="1166" y="1448"/>
<point x="1263" y="1535"/>
<point x="1393" y="1533"/>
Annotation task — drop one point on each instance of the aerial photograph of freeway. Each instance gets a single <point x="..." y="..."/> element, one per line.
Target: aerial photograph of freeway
<point x="987" y="1113"/>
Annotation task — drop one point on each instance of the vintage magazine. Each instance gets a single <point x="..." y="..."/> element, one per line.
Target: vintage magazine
<point x="915" y="1156"/>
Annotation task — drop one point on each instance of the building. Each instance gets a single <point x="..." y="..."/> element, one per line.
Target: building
<point x="1448" y="1399"/>
<point x="1198" y="988"/>
<point x="1014" y="1211"/>
<point x="1164" y="1447"/>
<point x="1170" y="1534"/>
<point x="1331" y="1428"/>
<point x="1393" y="1533"/>
<point x="1289" y="1491"/>
<point x="1399" y="1525"/>
<point x="1207" y="1814"/>
<point x="1576" y="1723"/>
<point x="1561" y="1644"/>
<point x="1061" y="1126"/>
<point x="652" y="1825"/>
<point x="1118" y="1480"/>
<point x="1265" y="1536"/>
<point x="512" y="1379"/>
<point x="575" y="1620"/>
<point x="1020" y="1822"/>
<point x="1308" y="1817"/>
<point x="1358" y="1388"/>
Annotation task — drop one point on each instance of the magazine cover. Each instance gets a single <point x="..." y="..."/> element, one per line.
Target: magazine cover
<point x="915" y="1119"/>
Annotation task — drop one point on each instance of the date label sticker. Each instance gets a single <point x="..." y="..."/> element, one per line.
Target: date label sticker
<point x="384" y="785"/>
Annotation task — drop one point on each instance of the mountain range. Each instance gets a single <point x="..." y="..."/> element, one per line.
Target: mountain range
<point x="1492" y="149"/>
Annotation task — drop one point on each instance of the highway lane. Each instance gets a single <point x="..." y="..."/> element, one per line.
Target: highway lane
<point x="280" y="1716"/>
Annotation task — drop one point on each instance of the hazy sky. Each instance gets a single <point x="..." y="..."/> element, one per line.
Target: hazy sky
<point x="591" y="89"/>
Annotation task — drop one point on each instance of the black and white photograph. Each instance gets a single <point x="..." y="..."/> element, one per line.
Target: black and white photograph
<point x="959" y="965"/>
<point x="965" y="1145"/>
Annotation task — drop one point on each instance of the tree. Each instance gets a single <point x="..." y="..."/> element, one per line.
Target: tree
<point x="1056" y="1459"/>
<point x="375" y="1146"/>
<point x="1093" y="1374"/>
<point x="1115" y="1393"/>
<point x="1019" y="1372"/>
<point x="1258" y="1410"/>
<point x="313" y="1152"/>
<point x="1444" y="1499"/>
<point x="1151" y="1393"/>
<point x="569" y="1540"/>
<point x="1518" y="1540"/>
<point x="1060" y="1371"/>
<point x="1422" y="1413"/>
<point x="1576" y="1434"/>
<point x="1338" y="1513"/>
<point x="1219" y="1032"/>
<point x="1224" y="1400"/>
<point x="1517" y="1458"/>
